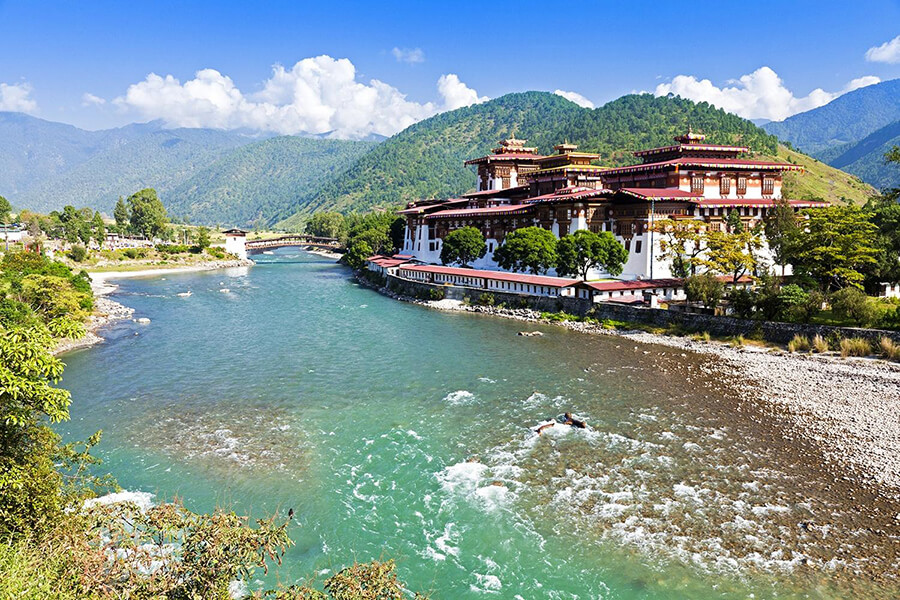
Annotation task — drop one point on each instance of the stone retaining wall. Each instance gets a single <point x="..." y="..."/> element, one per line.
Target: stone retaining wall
<point x="771" y="331"/>
<point x="418" y="289"/>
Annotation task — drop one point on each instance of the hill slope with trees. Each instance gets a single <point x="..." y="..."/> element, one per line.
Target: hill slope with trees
<point x="263" y="181"/>
<point x="426" y="159"/>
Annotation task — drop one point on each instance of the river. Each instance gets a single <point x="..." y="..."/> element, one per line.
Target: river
<point x="397" y="431"/>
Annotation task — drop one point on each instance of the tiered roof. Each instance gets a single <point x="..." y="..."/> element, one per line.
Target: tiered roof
<point x="510" y="149"/>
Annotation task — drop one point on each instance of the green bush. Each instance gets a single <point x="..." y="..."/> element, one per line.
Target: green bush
<point x="852" y="303"/>
<point x="216" y="252"/>
<point x="78" y="253"/>
<point x="705" y="289"/>
<point x="134" y="253"/>
<point x="486" y="299"/>
<point x="172" y="248"/>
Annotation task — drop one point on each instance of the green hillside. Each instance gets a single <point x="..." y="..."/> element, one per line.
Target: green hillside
<point x="160" y="159"/>
<point x="820" y="181"/>
<point x="263" y="181"/>
<point x="844" y="120"/>
<point x="426" y="159"/>
<point x="865" y="158"/>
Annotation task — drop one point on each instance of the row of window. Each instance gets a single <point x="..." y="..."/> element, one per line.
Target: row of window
<point x="698" y="184"/>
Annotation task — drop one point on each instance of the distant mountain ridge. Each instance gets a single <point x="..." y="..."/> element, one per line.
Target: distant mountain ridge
<point x="851" y="132"/>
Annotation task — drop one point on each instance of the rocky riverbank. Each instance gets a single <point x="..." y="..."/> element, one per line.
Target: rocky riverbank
<point x="848" y="407"/>
<point x="107" y="311"/>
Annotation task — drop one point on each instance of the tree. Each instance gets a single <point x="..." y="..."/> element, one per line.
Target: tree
<point x="780" y="228"/>
<point x="529" y="248"/>
<point x="203" y="237"/>
<point x="705" y="288"/>
<point x="731" y="253"/>
<point x="579" y="253"/>
<point x="99" y="229"/>
<point x="852" y="303"/>
<point x="5" y="209"/>
<point x="148" y="215"/>
<point x="357" y="254"/>
<point x="681" y="244"/>
<point x="834" y="245"/>
<point x="734" y="223"/>
<point x="122" y="216"/>
<point x="463" y="246"/>
<point x="326" y="224"/>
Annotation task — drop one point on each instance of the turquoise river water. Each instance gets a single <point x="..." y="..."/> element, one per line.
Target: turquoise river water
<point x="398" y="431"/>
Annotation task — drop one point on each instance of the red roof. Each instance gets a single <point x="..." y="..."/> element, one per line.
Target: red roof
<point x="558" y="282"/>
<point x="660" y="193"/>
<point x="716" y="202"/>
<point x="623" y="285"/>
<point x="502" y="209"/>
<point x="504" y="156"/>
<point x="569" y="194"/>
<point x="438" y="205"/>
<point x="696" y="147"/>
<point x="388" y="261"/>
<point x="706" y="163"/>
<point x="509" y="190"/>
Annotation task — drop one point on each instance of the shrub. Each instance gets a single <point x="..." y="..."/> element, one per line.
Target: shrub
<point x="172" y="248"/>
<point x="853" y="304"/>
<point x="134" y="253"/>
<point x="820" y="344"/>
<point x="702" y="336"/>
<point x="705" y="288"/>
<point x="737" y="341"/>
<point x="78" y="253"/>
<point x="486" y="299"/>
<point x="889" y="348"/>
<point x="742" y="302"/>
<point x="216" y="252"/>
<point x="855" y="347"/>
<point x="800" y="343"/>
<point x="435" y="294"/>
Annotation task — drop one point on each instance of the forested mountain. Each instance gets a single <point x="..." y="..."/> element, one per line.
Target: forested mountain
<point x="846" y="119"/>
<point x="426" y="159"/>
<point x="865" y="158"/>
<point x="263" y="181"/>
<point x="160" y="159"/>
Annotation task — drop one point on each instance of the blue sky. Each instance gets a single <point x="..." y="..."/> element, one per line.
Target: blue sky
<point x="55" y="54"/>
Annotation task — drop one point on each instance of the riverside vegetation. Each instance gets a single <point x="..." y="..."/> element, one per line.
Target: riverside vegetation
<point x="59" y="538"/>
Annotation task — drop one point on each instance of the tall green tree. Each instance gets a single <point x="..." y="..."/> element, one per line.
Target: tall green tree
<point x="583" y="251"/>
<point x="122" y="216"/>
<point x="681" y="244"/>
<point x="731" y="253"/>
<point x="834" y="246"/>
<point x="326" y="224"/>
<point x="148" y="215"/>
<point x="203" y="237"/>
<point x="780" y="228"/>
<point x="5" y="209"/>
<point x="463" y="246"/>
<point x="98" y="229"/>
<point x="528" y="249"/>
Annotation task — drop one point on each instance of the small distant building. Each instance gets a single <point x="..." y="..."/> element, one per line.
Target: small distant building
<point x="13" y="233"/>
<point x="387" y="265"/>
<point x="236" y="242"/>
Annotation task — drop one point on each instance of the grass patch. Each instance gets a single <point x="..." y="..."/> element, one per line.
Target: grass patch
<point x="889" y="348"/>
<point x="800" y="343"/>
<point x="820" y="344"/>
<point x="855" y="347"/>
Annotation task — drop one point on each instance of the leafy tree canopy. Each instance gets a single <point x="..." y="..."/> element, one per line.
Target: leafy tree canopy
<point x="528" y="249"/>
<point x="463" y="246"/>
<point x="583" y="251"/>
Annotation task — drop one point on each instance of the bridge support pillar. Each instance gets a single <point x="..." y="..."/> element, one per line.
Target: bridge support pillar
<point x="236" y="243"/>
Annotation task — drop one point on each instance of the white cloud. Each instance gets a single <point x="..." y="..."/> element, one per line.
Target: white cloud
<point x="17" y="97"/>
<point x="409" y="55"/>
<point x="888" y="52"/>
<point x="89" y="99"/>
<point x="317" y="95"/>
<point x="457" y="94"/>
<point x="576" y="98"/>
<point x="759" y="95"/>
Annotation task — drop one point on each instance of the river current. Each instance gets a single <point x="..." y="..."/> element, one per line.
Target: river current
<point x="395" y="431"/>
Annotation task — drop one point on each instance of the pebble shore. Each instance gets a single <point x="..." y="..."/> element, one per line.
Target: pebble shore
<point x="848" y="407"/>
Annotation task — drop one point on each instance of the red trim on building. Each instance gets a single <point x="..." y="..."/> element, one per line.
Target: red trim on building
<point x="557" y="282"/>
<point x="702" y="163"/>
<point x="503" y="209"/>
<point x="660" y="194"/>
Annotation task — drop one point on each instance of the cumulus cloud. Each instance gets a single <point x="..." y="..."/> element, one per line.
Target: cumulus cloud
<point x="457" y="94"/>
<point x="89" y="99"/>
<point x="318" y="95"/>
<point x="409" y="55"/>
<point x="759" y="95"/>
<point x="888" y="52"/>
<point x="17" y="97"/>
<point x="576" y="98"/>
